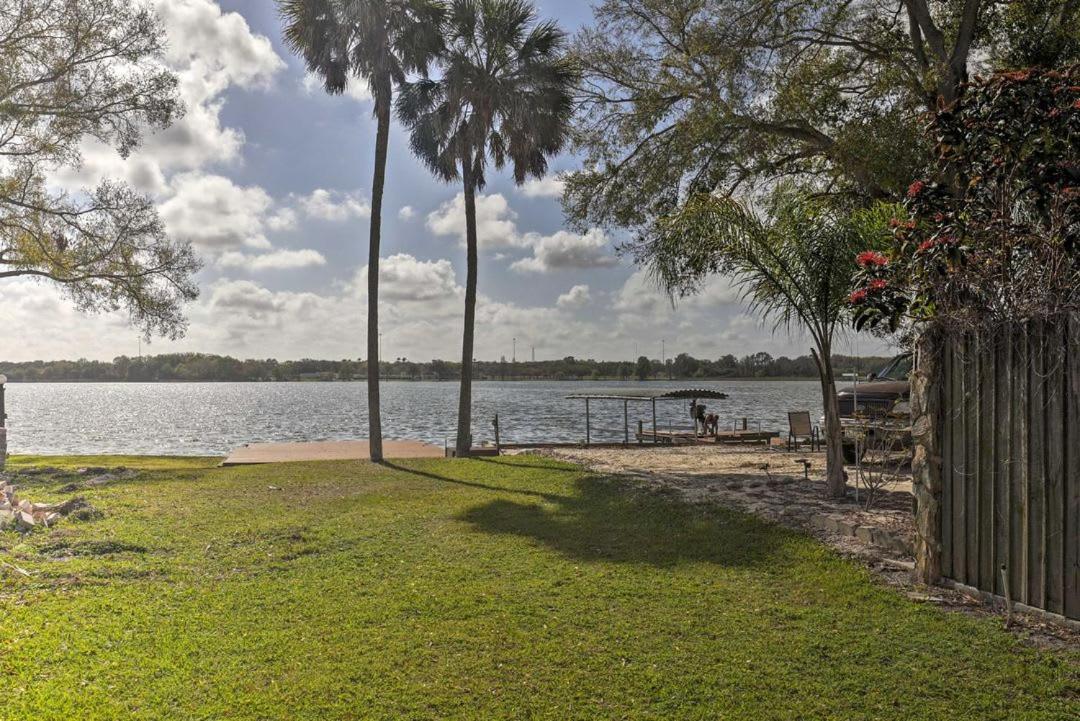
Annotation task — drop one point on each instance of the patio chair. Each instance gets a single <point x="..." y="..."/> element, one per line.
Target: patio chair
<point x="801" y="429"/>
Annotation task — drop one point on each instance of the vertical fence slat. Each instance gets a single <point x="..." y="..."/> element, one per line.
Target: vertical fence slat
<point x="985" y="460"/>
<point x="1072" y="472"/>
<point x="1019" y="474"/>
<point x="1037" y="464"/>
<point x="1002" y="436"/>
<point x="971" y="457"/>
<point x="1055" y="496"/>
<point x="946" y="409"/>
<point x="958" y="469"/>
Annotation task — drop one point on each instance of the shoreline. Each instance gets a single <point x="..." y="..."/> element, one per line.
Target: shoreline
<point x="688" y="381"/>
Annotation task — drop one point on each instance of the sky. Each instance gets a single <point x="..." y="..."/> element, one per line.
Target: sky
<point x="269" y="178"/>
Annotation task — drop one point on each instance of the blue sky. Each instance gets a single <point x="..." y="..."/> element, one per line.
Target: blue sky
<point x="269" y="179"/>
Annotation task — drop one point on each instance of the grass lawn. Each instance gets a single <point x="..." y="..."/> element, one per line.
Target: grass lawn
<point x="482" y="589"/>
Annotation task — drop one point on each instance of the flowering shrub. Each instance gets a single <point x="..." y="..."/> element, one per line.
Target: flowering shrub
<point x="996" y="234"/>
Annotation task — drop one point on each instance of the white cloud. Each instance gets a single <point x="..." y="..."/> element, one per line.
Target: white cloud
<point x="201" y="34"/>
<point x="421" y="309"/>
<point x="210" y="51"/>
<point x="564" y="250"/>
<point x="244" y="297"/>
<point x="577" y="297"/>
<point x="335" y="206"/>
<point x="550" y="186"/>
<point x="214" y="214"/>
<point x="283" y="219"/>
<point x="404" y="278"/>
<point x="356" y="89"/>
<point x="406" y="212"/>
<point x="496" y="222"/>
<point x="640" y="296"/>
<point x="496" y="227"/>
<point x="275" y="260"/>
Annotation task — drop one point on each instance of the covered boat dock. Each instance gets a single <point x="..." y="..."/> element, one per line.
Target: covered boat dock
<point x="743" y="435"/>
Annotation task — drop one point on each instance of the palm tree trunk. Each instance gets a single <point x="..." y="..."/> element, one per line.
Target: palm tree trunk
<point x="464" y="431"/>
<point x="834" y="437"/>
<point x="382" y="139"/>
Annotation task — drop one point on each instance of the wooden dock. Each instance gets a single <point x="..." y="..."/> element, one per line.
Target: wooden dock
<point x="689" y="438"/>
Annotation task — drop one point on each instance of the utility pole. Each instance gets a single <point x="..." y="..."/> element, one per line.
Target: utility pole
<point x="513" y="353"/>
<point x="534" y="354"/>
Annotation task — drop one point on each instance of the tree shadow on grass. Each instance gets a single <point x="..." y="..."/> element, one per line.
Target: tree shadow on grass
<point x="553" y="497"/>
<point x="612" y="520"/>
<point x="519" y="464"/>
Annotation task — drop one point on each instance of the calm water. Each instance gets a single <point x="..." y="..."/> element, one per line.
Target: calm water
<point x="212" y="418"/>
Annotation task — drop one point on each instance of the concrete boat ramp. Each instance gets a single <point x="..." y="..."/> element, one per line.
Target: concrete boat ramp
<point x="326" y="451"/>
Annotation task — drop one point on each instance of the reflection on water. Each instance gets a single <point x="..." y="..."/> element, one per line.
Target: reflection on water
<point x="211" y="418"/>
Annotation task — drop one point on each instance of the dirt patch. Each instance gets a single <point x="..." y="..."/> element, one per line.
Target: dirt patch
<point x="787" y="488"/>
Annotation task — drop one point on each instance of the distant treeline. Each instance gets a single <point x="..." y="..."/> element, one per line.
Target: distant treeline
<point x="201" y="367"/>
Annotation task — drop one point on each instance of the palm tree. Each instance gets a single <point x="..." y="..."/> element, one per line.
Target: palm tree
<point x="796" y="267"/>
<point x="379" y="42"/>
<point x="505" y="95"/>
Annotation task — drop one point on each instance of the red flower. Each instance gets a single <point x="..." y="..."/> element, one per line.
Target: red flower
<point x="939" y="217"/>
<point x="926" y="245"/>
<point x="857" y="296"/>
<point x="878" y="284"/>
<point x="1076" y="105"/>
<point x="894" y="222"/>
<point x="1017" y="75"/>
<point x="871" y="258"/>
<point x="915" y="188"/>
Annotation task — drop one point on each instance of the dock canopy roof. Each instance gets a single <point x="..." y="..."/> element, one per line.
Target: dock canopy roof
<point x="670" y="393"/>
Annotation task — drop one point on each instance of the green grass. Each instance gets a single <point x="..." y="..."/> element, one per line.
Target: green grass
<point x="482" y="589"/>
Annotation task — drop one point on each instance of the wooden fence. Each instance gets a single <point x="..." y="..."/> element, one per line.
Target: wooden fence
<point x="1011" y="463"/>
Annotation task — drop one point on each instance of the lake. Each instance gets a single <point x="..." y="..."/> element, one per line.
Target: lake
<point x="212" y="418"/>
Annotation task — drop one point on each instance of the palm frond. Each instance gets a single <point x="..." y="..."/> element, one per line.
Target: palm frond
<point x="506" y="93"/>
<point x="796" y="268"/>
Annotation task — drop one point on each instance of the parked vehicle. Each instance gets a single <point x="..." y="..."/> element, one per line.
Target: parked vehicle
<point x="875" y="405"/>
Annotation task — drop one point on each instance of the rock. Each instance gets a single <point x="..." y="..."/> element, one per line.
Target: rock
<point x="865" y="534"/>
<point x="845" y="528"/>
<point x="71" y="505"/>
<point x="25" y="520"/>
<point x="102" y="480"/>
<point x="891" y="542"/>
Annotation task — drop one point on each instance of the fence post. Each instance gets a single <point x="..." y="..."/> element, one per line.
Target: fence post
<point x="588" y="424"/>
<point x="3" y="424"/>
<point x="926" y="384"/>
